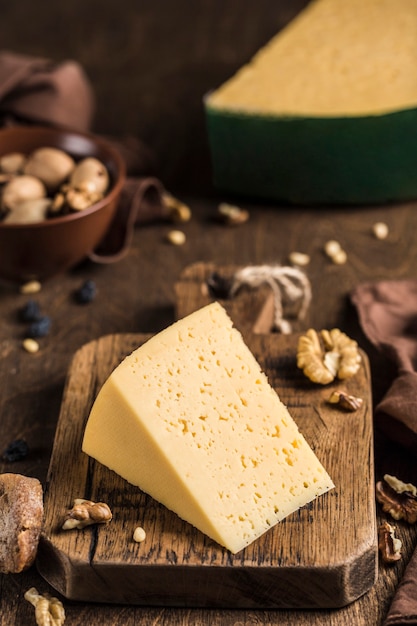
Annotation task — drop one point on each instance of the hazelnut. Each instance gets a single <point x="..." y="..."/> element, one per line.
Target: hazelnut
<point x="91" y="172"/>
<point x="12" y="163"/>
<point x="29" y="211"/>
<point x="20" y="189"/>
<point x="50" y="165"/>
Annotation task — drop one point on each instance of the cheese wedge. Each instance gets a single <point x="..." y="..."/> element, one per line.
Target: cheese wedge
<point x="190" y="418"/>
<point x="326" y="112"/>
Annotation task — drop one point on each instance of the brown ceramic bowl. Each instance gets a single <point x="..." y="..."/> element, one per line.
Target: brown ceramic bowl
<point x="43" y="249"/>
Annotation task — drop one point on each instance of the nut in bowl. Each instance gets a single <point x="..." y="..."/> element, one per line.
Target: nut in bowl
<point x="63" y="204"/>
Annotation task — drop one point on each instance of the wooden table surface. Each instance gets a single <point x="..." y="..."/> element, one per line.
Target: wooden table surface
<point x="150" y="68"/>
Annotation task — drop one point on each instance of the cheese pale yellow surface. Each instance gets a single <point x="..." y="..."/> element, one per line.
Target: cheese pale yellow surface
<point x="190" y="418"/>
<point x="337" y="57"/>
<point x="326" y="112"/>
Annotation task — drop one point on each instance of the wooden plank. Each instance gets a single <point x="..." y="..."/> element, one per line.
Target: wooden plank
<point x="323" y="556"/>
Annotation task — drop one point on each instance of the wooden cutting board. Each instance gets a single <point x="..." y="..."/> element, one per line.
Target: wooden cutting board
<point x="322" y="556"/>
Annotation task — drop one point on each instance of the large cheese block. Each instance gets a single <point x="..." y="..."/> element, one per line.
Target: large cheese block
<point x="326" y="112"/>
<point x="190" y="418"/>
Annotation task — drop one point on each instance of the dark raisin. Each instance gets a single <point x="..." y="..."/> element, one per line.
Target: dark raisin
<point x="86" y="293"/>
<point x="30" y="312"/>
<point x="40" y="328"/>
<point x="219" y="286"/>
<point x="15" y="451"/>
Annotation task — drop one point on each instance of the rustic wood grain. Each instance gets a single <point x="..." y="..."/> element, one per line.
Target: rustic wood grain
<point x="311" y="559"/>
<point x="150" y="63"/>
<point x="138" y="295"/>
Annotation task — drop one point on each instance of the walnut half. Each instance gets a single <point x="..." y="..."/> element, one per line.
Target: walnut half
<point x="328" y="355"/>
<point x="389" y="545"/>
<point x="400" y="505"/>
<point x="85" y="512"/>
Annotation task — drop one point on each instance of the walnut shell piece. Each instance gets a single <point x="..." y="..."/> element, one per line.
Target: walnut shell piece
<point x="389" y="545"/>
<point x="328" y="355"/>
<point x="345" y="401"/>
<point x="85" y="513"/>
<point x="400" y="505"/>
<point x="49" y="611"/>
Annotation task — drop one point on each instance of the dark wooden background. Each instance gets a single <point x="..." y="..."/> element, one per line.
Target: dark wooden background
<point x="150" y="63"/>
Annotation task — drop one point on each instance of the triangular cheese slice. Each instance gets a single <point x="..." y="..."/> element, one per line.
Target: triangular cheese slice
<point x="190" y="418"/>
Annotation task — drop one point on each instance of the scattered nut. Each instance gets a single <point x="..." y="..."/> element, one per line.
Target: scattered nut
<point x="30" y="345"/>
<point x="335" y="252"/>
<point x="398" y="485"/>
<point x="49" y="611"/>
<point x="310" y="358"/>
<point x="85" y="513"/>
<point x="232" y="215"/>
<point x="139" y="534"/>
<point x="339" y="258"/>
<point x="177" y="210"/>
<point x="380" y="230"/>
<point x="332" y="247"/>
<point x="33" y="286"/>
<point x="336" y="355"/>
<point x="176" y="237"/>
<point x="389" y="545"/>
<point x="400" y="505"/>
<point x="345" y="401"/>
<point x="350" y="359"/>
<point x="299" y="258"/>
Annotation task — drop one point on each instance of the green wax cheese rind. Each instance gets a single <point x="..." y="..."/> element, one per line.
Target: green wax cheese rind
<point x="315" y="160"/>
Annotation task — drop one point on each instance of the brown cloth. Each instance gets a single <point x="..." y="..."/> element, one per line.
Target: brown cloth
<point x="403" y="610"/>
<point x="388" y="316"/>
<point x="39" y="91"/>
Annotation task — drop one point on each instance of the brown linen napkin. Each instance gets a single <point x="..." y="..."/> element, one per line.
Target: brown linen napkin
<point x="403" y="610"/>
<point x="41" y="91"/>
<point x="388" y="316"/>
<point x="387" y="313"/>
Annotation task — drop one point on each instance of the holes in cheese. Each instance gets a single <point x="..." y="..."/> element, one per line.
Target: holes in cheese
<point x="190" y="418"/>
